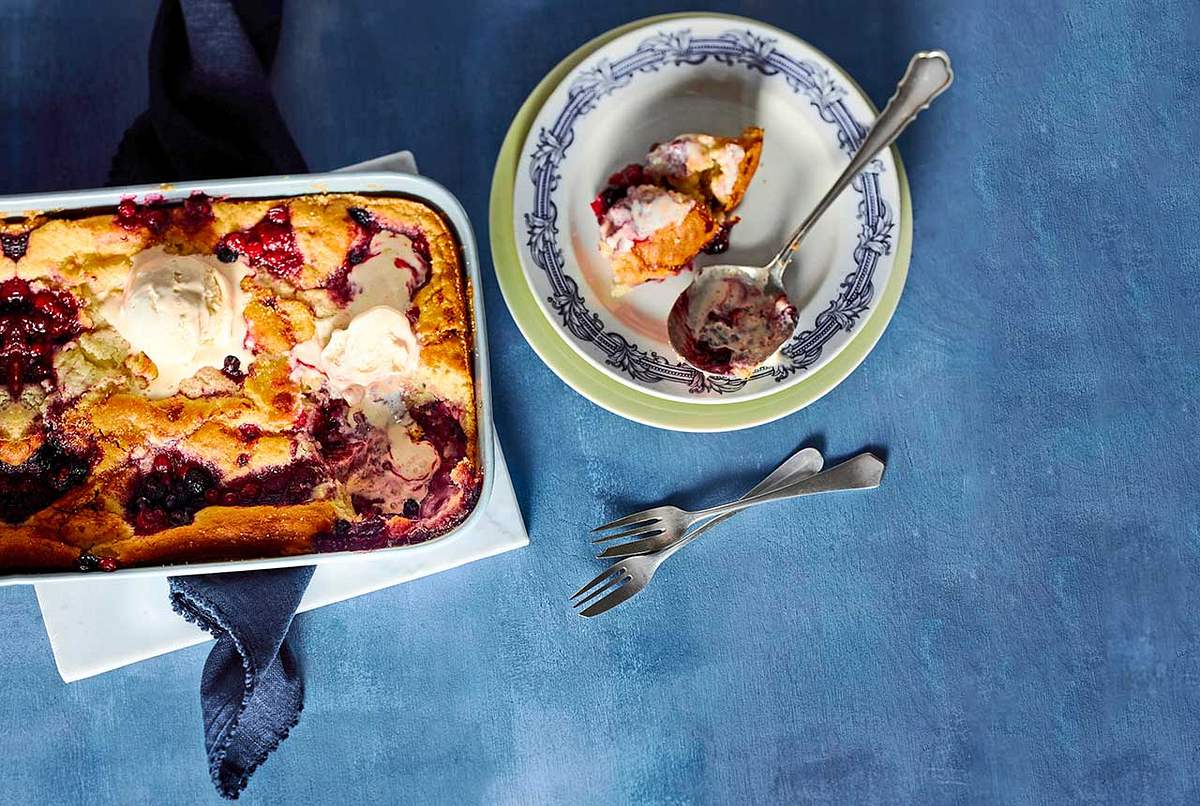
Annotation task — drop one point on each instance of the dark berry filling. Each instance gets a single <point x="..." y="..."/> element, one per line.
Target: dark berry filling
<point x="270" y="244"/>
<point x="249" y="432"/>
<point x="412" y="508"/>
<point x="169" y="494"/>
<point x="369" y="533"/>
<point x="291" y="484"/>
<point x="720" y="241"/>
<point x="14" y="245"/>
<point x="342" y="434"/>
<point x="618" y="184"/>
<point x="365" y="227"/>
<point x="445" y="432"/>
<point x="420" y="244"/>
<point x="195" y="212"/>
<point x="40" y="480"/>
<point x="331" y="425"/>
<point x="347" y="442"/>
<point x="90" y="562"/>
<point x="175" y="488"/>
<point x="364" y="505"/>
<point x="632" y="174"/>
<point x="33" y="326"/>
<point x="152" y="214"/>
<point x="363" y="218"/>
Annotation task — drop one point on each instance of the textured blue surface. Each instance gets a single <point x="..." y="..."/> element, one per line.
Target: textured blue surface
<point x="1012" y="618"/>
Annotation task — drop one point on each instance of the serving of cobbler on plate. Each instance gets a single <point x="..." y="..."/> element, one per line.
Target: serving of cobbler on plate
<point x="232" y="379"/>
<point x="655" y="218"/>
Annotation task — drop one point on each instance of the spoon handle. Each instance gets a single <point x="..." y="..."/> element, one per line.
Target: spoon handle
<point x="928" y="75"/>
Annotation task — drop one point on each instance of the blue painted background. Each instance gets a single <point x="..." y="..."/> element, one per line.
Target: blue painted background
<point x="1011" y="619"/>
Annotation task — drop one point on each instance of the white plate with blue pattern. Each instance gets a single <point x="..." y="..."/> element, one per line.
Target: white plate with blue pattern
<point x="714" y="75"/>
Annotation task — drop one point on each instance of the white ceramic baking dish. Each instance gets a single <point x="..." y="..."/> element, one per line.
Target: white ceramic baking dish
<point x="349" y="181"/>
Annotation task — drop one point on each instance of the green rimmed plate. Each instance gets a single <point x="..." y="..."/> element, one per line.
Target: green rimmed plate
<point x="604" y="390"/>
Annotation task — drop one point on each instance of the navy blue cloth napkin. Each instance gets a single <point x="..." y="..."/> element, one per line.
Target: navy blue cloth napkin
<point x="211" y="115"/>
<point x="251" y="691"/>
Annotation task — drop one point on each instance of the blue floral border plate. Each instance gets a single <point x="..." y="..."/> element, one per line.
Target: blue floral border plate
<point x="718" y="75"/>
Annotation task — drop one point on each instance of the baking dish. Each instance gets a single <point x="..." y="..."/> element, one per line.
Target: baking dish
<point x="370" y="182"/>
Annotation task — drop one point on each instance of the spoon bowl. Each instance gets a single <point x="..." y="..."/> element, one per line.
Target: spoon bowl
<point x="730" y="319"/>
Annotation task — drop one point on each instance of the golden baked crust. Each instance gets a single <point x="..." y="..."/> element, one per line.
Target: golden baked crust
<point x="239" y="461"/>
<point x="665" y="253"/>
<point x="691" y="168"/>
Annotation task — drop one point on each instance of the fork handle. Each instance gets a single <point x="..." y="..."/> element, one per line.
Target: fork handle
<point x="860" y="473"/>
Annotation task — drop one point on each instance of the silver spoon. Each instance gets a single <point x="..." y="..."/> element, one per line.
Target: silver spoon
<point x="733" y="318"/>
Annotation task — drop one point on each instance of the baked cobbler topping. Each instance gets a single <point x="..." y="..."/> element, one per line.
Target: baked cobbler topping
<point x="242" y="392"/>
<point x="655" y="218"/>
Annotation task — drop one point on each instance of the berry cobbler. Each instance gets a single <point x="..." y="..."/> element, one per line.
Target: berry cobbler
<point x="656" y="218"/>
<point x="231" y="379"/>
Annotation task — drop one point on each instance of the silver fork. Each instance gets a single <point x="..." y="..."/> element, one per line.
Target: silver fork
<point x="802" y="464"/>
<point x="626" y="578"/>
<point x="671" y="522"/>
<point x="862" y="472"/>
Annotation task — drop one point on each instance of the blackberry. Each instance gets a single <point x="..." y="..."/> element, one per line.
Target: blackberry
<point x="361" y="217"/>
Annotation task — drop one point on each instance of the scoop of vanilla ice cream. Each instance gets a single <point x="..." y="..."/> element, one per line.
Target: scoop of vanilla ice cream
<point x="373" y="354"/>
<point x="368" y="349"/>
<point x="183" y="311"/>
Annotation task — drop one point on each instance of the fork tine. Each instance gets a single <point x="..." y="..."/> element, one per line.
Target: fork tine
<point x="614" y="598"/>
<point x="633" y="548"/>
<point x="599" y="578"/>
<point x="610" y="585"/>
<point x="646" y="515"/>
<point x="636" y="531"/>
